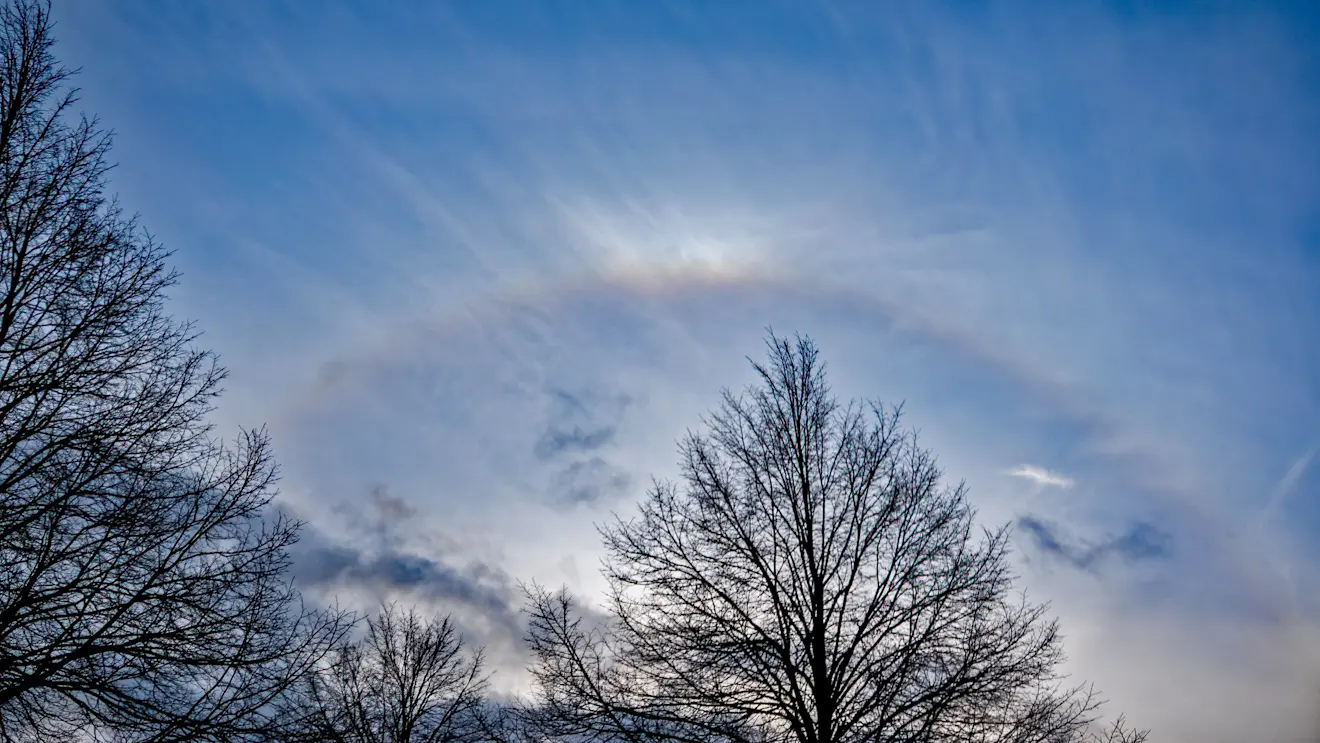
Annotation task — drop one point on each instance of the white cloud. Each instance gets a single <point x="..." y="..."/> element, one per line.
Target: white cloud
<point x="1040" y="476"/>
<point x="1286" y="484"/>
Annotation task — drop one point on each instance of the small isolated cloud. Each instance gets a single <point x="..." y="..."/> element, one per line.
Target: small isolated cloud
<point x="556" y="441"/>
<point x="578" y="428"/>
<point x="1140" y="541"/>
<point x="1040" y="476"/>
<point x="591" y="481"/>
<point x="578" y="423"/>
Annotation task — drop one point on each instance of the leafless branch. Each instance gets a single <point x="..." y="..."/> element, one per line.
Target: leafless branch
<point x="410" y="680"/>
<point x="809" y="579"/>
<point x="143" y="593"/>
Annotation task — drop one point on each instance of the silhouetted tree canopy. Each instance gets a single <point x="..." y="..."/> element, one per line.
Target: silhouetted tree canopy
<point x="143" y="592"/>
<point x="809" y="579"/>
<point x="411" y="679"/>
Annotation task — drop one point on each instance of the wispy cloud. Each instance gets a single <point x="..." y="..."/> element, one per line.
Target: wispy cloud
<point x="1040" y="476"/>
<point x="591" y="482"/>
<point x="578" y="423"/>
<point x="578" y="429"/>
<point x="1286" y="484"/>
<point x="1140" y="541"/>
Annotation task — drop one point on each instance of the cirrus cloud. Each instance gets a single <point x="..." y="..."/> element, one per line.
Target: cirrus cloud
<point x="1040" y="476"/>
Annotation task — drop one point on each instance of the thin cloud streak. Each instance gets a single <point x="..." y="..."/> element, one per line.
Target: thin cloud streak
<point x="1285" y="485"/>
<point x="1040" y="476"/>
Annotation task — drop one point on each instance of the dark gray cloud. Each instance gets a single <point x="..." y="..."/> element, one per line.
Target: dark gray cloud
<point x="578" y="427"/>
<point x="577" y="423"/>
<point x="590" y="481"/>
<point x="383" y="563"/>
<point x="555" y="441"/>
<point x="1140" y="541"/>
<point x="330" y="566"/>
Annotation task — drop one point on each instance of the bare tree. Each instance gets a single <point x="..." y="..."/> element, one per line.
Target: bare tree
<point x="410" y="680"/>
<point x="810" y="580"/>
<point x="1119" y="732"/>
<point x="143" y="595"/>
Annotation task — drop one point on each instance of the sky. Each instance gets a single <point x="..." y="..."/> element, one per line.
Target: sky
<point x="477" y="267"/>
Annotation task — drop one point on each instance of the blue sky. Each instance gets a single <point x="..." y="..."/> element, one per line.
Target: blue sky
<point x="478" y="265"/>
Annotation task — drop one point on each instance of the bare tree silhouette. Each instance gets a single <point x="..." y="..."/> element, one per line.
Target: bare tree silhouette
<point x="809" y="580"/>
<point x="143" y="593"/>
<point x="410" y="680"/>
